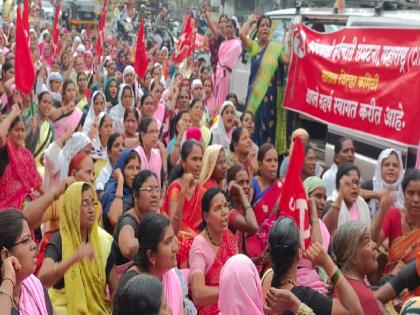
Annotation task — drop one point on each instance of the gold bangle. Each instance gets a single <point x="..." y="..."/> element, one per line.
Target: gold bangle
<point x="304" y="309"/>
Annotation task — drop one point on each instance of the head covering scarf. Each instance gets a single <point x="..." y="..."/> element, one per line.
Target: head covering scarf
<point x="380" y="185"/>
<point x="129" y="69"/>
<point x="73" y="146"/>
<point x="240" y="289"/>
<point x="86" y="280"/>
<point x="209" y="162"/>
<point x="113" y="101"/>
<point x="111" y="186"/>
<point x="96" y="86"/>
<point x="99" y="152"/>
<point x="91" y="117"/>
<point x="312" y="183"/>
<point x="76" y="42"/>
<point x="117" y="112"/>
<point x="220" y="135"/>
<point x="119" y="66"/>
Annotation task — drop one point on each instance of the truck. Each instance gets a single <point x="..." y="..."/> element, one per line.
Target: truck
<point x="371" y="14"/>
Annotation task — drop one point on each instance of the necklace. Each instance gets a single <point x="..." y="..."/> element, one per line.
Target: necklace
<point x="282" y="283"/>
<point x="211" y="240"/>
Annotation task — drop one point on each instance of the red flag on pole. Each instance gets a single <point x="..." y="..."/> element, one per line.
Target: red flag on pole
<point x="100" y="41"/>
<point x="56" y="31"/>
<point x="185" y="45"/>
<point x="39" y="4"/>
<point x="24" y="67"/>
<point x="140" y="63"/>
<point x="293" y="202"/>
<point x="25" y="17"/>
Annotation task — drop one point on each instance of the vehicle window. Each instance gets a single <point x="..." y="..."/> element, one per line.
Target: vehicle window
<point x="279" y="28"/>
<point x="323" y="26"/>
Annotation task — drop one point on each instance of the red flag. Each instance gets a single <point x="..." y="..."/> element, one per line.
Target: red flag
<point x="293" y="201"/>
<point x="24" y="67"/>
<point x="39" y="4"/>
<point x="25" y="17"/>
<point x="140" y="63"/>
<point x="185" y="45"/>
<point x="56" y="31"/>
<point x="100" y="40"/>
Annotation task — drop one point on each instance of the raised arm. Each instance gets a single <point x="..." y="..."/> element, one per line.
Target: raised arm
<point x="243" y="35"/>
<point x="385" y="204"/>
<point x="5" y="124"/>
<point x="211" y="23"/>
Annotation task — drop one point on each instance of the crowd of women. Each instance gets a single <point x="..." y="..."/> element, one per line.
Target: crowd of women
<point x="155" y="195"/>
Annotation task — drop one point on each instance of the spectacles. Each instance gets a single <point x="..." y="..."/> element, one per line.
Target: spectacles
<point x="26" y="241"/>
<point x="151" y="189"/>
<point x="87" y="203"/>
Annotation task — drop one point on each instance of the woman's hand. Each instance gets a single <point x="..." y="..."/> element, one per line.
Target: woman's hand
<point x="85" y="251"/>
<point x="318" y="256"/>
<point x="9" y="268"/>
<point x="386" y="201"/>
<point x="65" y="183"/>
<point x="118" y="176"/>
<point x="279" y="301"/>
<point x="187" y="182"/>
<point x="15" y="111"/>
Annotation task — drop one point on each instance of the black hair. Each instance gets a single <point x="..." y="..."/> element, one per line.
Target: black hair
<point x="206" y="202"/>
<point x="80" y="74"/>
<point x="307" y="147"/>
<point x="153" y="84"/>
<point x="193" y="102"/>
<point x="15" y="121"/>
<point x="139" y="180"/>
<point x="65" y="85"/>
<point x="232" y="95"/>
<point x="151" y="232"/>
<point x="174" y="122"/>
<point x="262" y="17"/>
<point x="231" y="173"/>
<point x="129" y="111"/>
<point x="6" y="67"/>
<point x="283" y="244"/>
<point x="410" y="176"/>
<point x="245" y="113"/>
<point x="101" y="122"/>
<point x="338" y="145"/>
<point x="86" y="186"/>
<point x="143" y="98"/>
<point x="263" y="151"/>
<point x="236" y="135"/>
<point x="186" y="149"/>
<point x="114" y="136"/>
<point x="127" y="87"/>
<point x="207" y="79"/>
<point x="142" y="294"/>
<point x="344" y="170"/>
<point x="41" y="95"/>
<point x="131" y="156"/>
<point x="144" y="124"/>
<point x="223" y="16"/>
<point x="10" y="229"/>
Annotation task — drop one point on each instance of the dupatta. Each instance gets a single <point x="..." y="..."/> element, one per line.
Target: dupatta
<point x="85" y="282"/>
<point x="404" y="248"/>
<point x="227" y="249"/>
<point x="20" y="177"/>
<point x="32" y="297"/>
<point x="267" y="200"/>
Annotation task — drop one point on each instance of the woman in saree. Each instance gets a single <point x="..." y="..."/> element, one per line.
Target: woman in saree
<point x="111" y="92"/>
<point x="125" y="100"/>
<point x="67" y="116"/>
<point x="196" y="109"/>
<point x="148" y="149"/>
<point x="21" y="291"/>
<point x="229" y="52"/>
<point x="183" y="200"/>
<point x="19" y="177"/>
<point x="222" y="131"/>
<point x="40" y="131"/>
<point x="213" y="172"/>
<point x="82" y="86"/>
<point x="118" y="193"/>
<point x="401" y="227"/>
<point x="242" y="151"/>
<point x="96" y="106"/>
<point x="156" y="256"/>
<point x="265" y="90"/>
<point x="78" y="265"/>
<point x="209" y="252"/>
<point x="131" y="127"/>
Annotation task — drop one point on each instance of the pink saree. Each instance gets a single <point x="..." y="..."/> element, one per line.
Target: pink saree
<point x="72" y="121"/>
<point x="229" y="53"/>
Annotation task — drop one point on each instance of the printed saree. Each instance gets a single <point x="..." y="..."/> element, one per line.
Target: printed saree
<point x="227" y="249"/>
<point x="265" y="94"/>
<point x="191" y="219"/>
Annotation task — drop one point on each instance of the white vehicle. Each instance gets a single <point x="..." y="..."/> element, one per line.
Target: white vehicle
<point x="368" y="148"/>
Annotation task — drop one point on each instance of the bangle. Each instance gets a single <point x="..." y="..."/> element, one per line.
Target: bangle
<point x="248" y="207"/>
<point x="336" y="275"/>
<point x="176" y="217"/>
<point x="2" y="291"/>
<point x="304" y="309"/>
<point x="13" y="284"/>
<point x="119" y="197"/>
